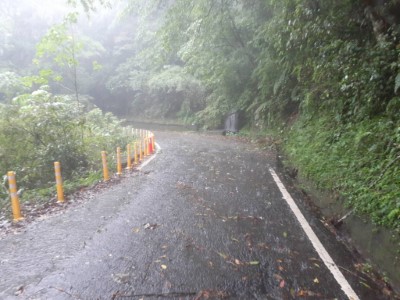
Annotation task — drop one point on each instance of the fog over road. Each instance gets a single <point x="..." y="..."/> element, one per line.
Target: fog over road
<point x="204" y="219"/>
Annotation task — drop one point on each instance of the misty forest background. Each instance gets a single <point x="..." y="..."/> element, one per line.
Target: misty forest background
<point x="321" y="76"/>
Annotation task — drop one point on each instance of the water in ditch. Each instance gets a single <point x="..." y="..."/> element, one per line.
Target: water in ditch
<point x="379" y="245"/>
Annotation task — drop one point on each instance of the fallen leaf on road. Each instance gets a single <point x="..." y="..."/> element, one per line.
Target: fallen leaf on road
<point x="182" y="185"/>
<point x="121" y="277"/>
<point x="282" y="284"/>
<point x="278" y="277"/>
<point x="292" y="292"/>
<point x="314" y="259"/>
<point x="135" y="230"/>
<point x="150" y="226"/>
<point x="223" y="255"/>
<point x="306" y="293"/>
<point x="249" y="241"/>
<point x="164" y="267"/>
<point x="387" y="292"/>
<point x="238" y="262"/>
<point x="281" y="268"/>
<point x="316" y="280"/>
<point x="254" y="263"/>
<point x="366" y="285"/>
<point x="262" y="246"/>
<point x="211" y="294"/>
<point x="19" y="291"/>
<point x="167" y="286"/>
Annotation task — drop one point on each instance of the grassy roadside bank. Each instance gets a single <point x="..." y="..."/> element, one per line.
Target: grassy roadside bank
<point x="359" y="161"/>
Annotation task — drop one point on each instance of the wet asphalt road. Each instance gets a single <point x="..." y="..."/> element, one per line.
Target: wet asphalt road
<point x="203" y="219"/>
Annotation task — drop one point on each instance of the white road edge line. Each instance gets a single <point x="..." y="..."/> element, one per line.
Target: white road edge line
<point x="158" y="148"/>
<point x="323" y="254"/>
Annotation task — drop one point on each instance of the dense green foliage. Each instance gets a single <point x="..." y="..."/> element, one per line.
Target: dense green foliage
<point x="360" y="161"/>
<point x="45" y="109"/>
<point x="324" y="74"/>
<point x="40" y="128"/>
<point x="343" y="75"/>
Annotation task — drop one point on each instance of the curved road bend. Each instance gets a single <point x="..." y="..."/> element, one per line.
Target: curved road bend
<point x="205" y="219"/>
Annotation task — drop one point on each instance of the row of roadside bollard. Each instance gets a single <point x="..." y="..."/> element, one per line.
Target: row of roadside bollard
<point x="142" y="147"/>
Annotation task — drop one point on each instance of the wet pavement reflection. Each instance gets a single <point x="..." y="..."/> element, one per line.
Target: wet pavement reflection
<point x="204" y="220"/>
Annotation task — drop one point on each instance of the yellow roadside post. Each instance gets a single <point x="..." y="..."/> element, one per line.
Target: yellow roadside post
<point x="119" y="165"/>
<point x="105" y="168"/>
<point x="128" y="157"/>
<point x="140" y="151"/>
<point x="136" y="154"/>
<point x="59" y="182"/>
<point x="145" y="147"/>
<point x="12" y="186"/>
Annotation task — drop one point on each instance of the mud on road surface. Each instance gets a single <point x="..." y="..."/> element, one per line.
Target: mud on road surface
<point x="203" y="220"/>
